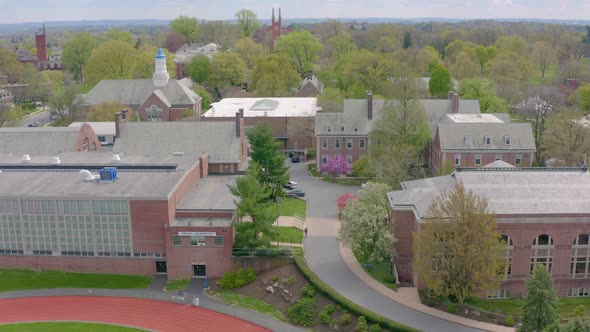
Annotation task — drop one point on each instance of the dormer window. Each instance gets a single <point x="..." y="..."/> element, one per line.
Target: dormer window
<point x="467" y="140"/>
<point x="355" y="128"/>
<point x="329" y="128"/>
<point x="342" y="129"/>
<point x="487" y="140"/>
<point x="507" y="140"/>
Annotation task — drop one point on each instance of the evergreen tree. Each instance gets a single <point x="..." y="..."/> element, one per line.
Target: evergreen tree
<point x="539" y="306"/>
<point x="407" y="40"/>
<point x="265" y="152"/>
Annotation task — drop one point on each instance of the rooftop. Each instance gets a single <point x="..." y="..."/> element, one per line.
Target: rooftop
<point x="100" y="128"/>
<point x="37" y="140"/>
<point x="475" y="135"/>
<point x="264" y="107"/>
<point x="187" y="51"/>
<point x="472" y="118"/>
<point x="211" y="193"/>
<point x="509" y="190"/>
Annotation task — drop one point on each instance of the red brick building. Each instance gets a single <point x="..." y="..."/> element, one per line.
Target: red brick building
<point x="274" y="30"/>
<point x="160" y="215"/>
<point x="540" y="212"/>
<point x="310" y="87"/>
<point x="42" y="60"/>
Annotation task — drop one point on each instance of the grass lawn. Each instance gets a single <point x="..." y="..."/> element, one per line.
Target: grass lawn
<point x="290" y="234"/>
<point x="512" y="306"/>
<point x="517" y="118"/>
<point x="26" y="279"/>
<point x="239" y="300"/>
<point x="65" y="327"/>
<point x="380" y="271"/>
<point x="176" y="285"/>
<point x="292" y="207"/>
<point x="551" y="74"/>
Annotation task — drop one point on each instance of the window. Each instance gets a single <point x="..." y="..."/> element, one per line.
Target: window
<point x="324" y="143"/>
<point x="329" y="128"/>
<point x="362" y="143"/>
<point x="324" y="159"/>
<point x="467" y="140"/>
<point x="542" y="252"/>
<point x="355" y="128"/>
<point x="93" y="146"/>
<point x="477" y="160"/>
<point x="487" y="140"/>
<point x="499" y="294"/>
<point x="198" y="241"/>
<point x="507" y="140"/>
<point x="518" y="159"/>
<point x="341" y="129"/>
<point x="580" y="259"/>
<point x="457" y="159"/>
<point x="85" y="144"/>
<point x="219" y="241"/>
<point x="349" y="143"/>
<point x="176" y="240"/>
<point x="498" y="157"/>
<point x="154" y="114"/>
<point x="508" y="256"/>
<point x="578" y="292"/>
<point x="337" y="143"/>
<point x="349" y="158"/>
<point x="102" y="139"/>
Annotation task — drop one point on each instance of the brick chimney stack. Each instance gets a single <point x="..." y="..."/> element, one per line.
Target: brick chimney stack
<point x="455" y="102"/>
<point x="124" y="114"/>
<point x="239" y="117"/>
<point x="117" y="124"/>
<point x="451" y="94"/>
<point x="369" y="105"/>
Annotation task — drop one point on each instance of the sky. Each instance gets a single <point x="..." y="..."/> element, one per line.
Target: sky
<point x="17" y="11"/>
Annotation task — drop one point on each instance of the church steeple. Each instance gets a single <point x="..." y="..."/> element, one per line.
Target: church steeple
<point x="161" y="76"/>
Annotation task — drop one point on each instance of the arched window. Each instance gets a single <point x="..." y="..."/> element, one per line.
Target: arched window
<point x="154" y="114"/>
<point x="93" y="146"/>
<point x="542" y="252"/>
<point x="580" y="261"/>
<point x="85" y="144"/>
<point x="508" y="255"/>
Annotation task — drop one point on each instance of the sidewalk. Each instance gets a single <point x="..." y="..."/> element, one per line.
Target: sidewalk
<point x="409" y="297"/>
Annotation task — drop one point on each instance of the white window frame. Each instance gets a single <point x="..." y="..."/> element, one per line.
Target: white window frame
<point x="198" y="241"/>
<point x="457" y="159"/>
<point x="507" y="140"/>
<point x="324" y="143"/>
<point x="487" y="140"/>
<point x="349" y="158"/>
<point x="174" y="238"/>
<point x="329" y="128"/>
<point x="478" y="160"/>
<point x="518" y="159"/>
<point x="361" y="143"/>
<point x="542" y="254"/>
<point x="349" y="143"/>
<point x="324" y="159"/>
<point x="337" y="143"/>
<point x="498" y="156"/>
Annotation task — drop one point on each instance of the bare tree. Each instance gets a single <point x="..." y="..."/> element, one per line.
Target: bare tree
<point x="544" y="56"/>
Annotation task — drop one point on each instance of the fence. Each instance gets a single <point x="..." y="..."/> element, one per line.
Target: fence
<point x="267" y="252"/>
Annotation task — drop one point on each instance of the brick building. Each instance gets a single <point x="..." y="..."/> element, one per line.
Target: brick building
<point x="43" y="61"/>
<point x="349" y="133"/>
<point x="292" y="119"/>
<point x="161" y="214"/>
<point x="540" y="212"/>
<point x="274" y="30"/>
<point x="473" y="140"/>
<point x="310" y="86"/>
<point x="156" y="100"/>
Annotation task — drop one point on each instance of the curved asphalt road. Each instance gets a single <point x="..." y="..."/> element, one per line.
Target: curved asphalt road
<point x="322" y="254"/>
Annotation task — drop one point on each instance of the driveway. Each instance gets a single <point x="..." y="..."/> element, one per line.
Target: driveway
<point x="323" y="256"/>
<point x="41" y="117"/>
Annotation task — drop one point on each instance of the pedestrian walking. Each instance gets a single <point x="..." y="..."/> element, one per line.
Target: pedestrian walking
<point x="305" y="231"/>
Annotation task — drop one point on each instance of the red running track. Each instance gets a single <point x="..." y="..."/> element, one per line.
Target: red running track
<point x="145" y="314"/>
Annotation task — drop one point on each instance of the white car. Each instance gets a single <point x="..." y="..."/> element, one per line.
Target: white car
<point x="290" y="185"/>
<point x="364" y="185"/>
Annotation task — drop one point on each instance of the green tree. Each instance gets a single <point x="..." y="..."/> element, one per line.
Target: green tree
<point x="227" y="69"/>
<point x="265" y="152"/>
<point x="331" y="101"/>
<point x="247" y="21"/>
<point x="582" y="98"/>
<point x="9" y="65"/>
<point x="539" y="307"/>
<point x="385" y="45"/>
<point x="366" y="70"/>
<point x="302" y="50"/>
<point x="513" y="43"/>
<point x="484" y="91"/>
<point x="205" y="97"/>
<point x="340" y="45"/>
<point x="396" y="163"/>
<point x="566" y="139"/>
<point x="105" y="111"/>
<point x="65" y="103"/>
<point x="454" y="48"/>
<point x="440" y="81"/>
<point x="111" y="60"/>
<point x="76" y="52"/>
<point x="120" y="35"/>
<point x="186" y="26"/>
<point x="250" y="51"/>
<point x="484" y="55"/>
<point x="544" y="56"/>
<point x="458" y="250"/>
<point x="253" y="203"/>
<point x="273" y="76"/>
<point x="465" y="66"/>
<point x="199" y="68"/>
<point x="363" y="224"/>
<point x="407" y="43"/>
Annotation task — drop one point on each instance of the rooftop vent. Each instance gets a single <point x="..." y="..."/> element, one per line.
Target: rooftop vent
<point x="178" y="154"/>
<point x="26" y="158"/>
<point x="108" y="174"/>
<point x="116" y="158"/>
<point x="87" y="176"/>
<point x="55" y="161"/>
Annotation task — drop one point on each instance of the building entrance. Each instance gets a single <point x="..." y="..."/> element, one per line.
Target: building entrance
<point x="199" y="270"/>
<point x="161" y="267"/>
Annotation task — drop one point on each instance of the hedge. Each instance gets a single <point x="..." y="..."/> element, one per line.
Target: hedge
<point x="356" y="309"/>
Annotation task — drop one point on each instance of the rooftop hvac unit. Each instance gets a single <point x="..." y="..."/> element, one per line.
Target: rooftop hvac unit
<point x="55" y="161"/>
<point x="116" y="158"/>
<point x="87" y="176"/>
<point x="26" y="158"/>
<point x="108" y="174"/>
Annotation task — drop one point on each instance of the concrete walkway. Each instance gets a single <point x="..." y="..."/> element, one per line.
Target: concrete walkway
<point x="158" y="283"/>
<point x="341" y="271"/>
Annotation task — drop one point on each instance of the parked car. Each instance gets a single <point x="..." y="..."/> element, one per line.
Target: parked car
<point x="364" y="185"/>
<point x="295" y="192"/>
<point x="295" y="159"/>
<point x="35" y="124"/>
<point x="290" y="185"/>
<point x="38" y="104"/>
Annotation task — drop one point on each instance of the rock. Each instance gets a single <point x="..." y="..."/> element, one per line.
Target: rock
<point x="264" y="282"/>
<point x="285" y="291"/>
<point x="270" y="289"/>
<point x="275" y="285"/>
<point x="475" y="312"/>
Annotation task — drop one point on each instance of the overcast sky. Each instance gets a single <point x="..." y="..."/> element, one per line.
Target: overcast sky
<point x="16" y="11"/>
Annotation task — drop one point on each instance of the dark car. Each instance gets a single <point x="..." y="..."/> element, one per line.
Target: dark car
<point x="295" y="159"/>
<point x="295" y="192"/>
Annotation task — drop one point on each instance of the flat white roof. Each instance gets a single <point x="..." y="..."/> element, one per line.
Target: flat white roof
<point x="474" y="118"/>
<point x="100" y="128"/>
<point x="264" y="107"/>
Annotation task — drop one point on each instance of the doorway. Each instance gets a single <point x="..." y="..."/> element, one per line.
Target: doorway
<point x="199" y="270"/>
<point x="161" y="267"/>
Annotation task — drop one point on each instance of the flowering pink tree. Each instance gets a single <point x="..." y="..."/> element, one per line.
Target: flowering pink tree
<point x="336" y="165"/>
<point x="343" y="200"/>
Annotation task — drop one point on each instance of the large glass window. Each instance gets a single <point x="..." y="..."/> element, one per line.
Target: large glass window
<point x="219" y="241"/>
<point x="112" y="227"/>
<point x="10" y="228"/>
<point x="542" y="252"/>
<point x="580" y="259"/>
<point x="154" y="114"/>
<point x="85" y="144"/>
<point x="198" y="241"/>
<point x="176" y="240"/>
<point x="337" y="143"/>
<point x="508" y="255"/>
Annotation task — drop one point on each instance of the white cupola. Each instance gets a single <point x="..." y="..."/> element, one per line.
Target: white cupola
<point x="161" y="76"/>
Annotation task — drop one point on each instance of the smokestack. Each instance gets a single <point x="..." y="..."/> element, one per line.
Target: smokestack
<point x="238" y="119"/>
<point x="273" y="16"/>
<point x="451" y="94"/>
<point x="117" y="124"/>
<point x="369" y="105"/>
<point x="455" y="102"/>
<point x="124" y="114"/>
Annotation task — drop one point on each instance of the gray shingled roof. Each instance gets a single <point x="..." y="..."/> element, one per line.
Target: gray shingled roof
<point x="470" y="136"/>
<point x="38" y="140"/>
<point x="355" y="113"/>
<point x="508" y="190"/>
<point x="314" y="81"/>
<point x="218" y="138"/>
<point x="135" y="92"/>
<point x="186" y="52"/>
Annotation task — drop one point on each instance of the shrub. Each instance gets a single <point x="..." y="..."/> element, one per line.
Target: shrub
<point x="333" y="323"/>
<point x="346" y="319"/>
<point x="289" y="280"/>
<point x="274" y="279"/>
<point x="302" y="312"/>
<point x="241" y="278"/>
<point x="375" y="328"/>
<point x="324" y="318"/>
<point x="389" y="279"/>
<point x="451" y="308"/>
<point x="329" y="309"/>
<point x="311" y="154"/>
<point x="509" y="321"/>
<point x="308" y="291"/>
<point x="361" y="167"/>
<point x="361" y="325"/>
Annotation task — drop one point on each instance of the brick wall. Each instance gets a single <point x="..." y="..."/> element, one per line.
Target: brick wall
<point x="109" y="265"/>
<point x="86" y="132"/>
<point x="331" y="150"/>
<point x="147" y="224"/>
<point x="468" y="158"/>
<point x="403" y="225"/>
